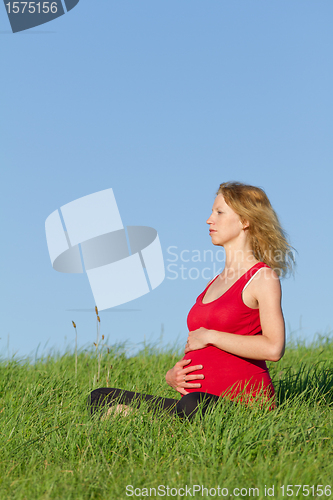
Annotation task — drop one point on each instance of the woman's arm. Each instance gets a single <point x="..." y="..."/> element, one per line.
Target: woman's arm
<point x="269" y="346"/>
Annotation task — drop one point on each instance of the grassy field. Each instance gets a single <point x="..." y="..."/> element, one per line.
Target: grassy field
<point x="52" y="448"/>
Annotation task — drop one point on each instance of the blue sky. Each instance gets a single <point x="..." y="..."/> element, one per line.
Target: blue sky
<point x="163" y="101"/>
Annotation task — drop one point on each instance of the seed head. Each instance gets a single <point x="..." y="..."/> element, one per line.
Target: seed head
<point x="74" y="324"/>
<point x="99" y="319"/>
<point x="96" y="310"/>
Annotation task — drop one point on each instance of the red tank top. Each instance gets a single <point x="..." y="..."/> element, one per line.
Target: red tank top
<point x="225" y="373"/>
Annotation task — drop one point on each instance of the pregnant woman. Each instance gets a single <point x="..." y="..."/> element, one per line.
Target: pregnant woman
<point x="236" y="323"/>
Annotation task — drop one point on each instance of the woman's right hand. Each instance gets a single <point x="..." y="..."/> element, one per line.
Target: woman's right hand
<point x="178" y="377"/>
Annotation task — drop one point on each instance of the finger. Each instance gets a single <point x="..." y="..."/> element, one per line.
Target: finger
<point x="192" y="386"/>
<point x="182" y="391"/>
<point x="184" y="362"/>
<point x="190" y="369"/>
<point x="194" y="377"/>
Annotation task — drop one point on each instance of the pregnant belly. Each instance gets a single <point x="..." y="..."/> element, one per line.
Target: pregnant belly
<point x="226" y="373"/>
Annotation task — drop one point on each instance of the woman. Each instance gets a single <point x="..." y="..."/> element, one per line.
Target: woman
<point x="236" y="323"/>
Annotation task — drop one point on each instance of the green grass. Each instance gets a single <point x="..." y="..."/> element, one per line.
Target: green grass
<point x="52" y="449"/>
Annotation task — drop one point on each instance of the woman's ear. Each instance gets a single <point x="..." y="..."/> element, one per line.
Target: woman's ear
<point x="245" y="223"/>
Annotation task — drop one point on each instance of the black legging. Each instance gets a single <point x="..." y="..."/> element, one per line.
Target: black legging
<point x="187" y="406"/>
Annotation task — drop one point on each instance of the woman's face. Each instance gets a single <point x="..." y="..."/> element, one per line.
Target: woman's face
<point x="225" y="225"/>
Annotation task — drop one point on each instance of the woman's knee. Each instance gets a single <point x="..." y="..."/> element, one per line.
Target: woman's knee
<point x="190" y="404"/>
<point x="103" y="397"/>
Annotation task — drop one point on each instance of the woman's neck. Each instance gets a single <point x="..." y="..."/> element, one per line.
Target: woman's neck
<point x="238" y="261"/>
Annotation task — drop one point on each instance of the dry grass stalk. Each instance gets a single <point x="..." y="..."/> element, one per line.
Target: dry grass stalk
<point x="74" y="325"/>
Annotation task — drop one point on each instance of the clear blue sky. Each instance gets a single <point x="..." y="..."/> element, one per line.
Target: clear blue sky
<point x="162" y="101"/>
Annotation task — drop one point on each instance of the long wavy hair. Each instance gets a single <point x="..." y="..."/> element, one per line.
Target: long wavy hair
<point x="267" y="238"/>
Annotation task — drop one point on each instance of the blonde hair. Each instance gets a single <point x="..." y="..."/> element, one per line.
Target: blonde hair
<point x="267" y="238"/>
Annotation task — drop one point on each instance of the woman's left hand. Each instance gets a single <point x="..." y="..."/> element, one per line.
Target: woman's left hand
<point x="197" y="339"/>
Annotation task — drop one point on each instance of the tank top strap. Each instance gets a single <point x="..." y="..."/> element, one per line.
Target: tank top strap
<point x="211" y="281"/>
<point x="250" y="274"/>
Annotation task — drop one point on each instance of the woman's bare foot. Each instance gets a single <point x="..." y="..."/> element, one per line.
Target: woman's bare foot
<point x="122" y="409"/>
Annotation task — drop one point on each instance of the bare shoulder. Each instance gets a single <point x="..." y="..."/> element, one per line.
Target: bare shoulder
<point x="266" y="283"/>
